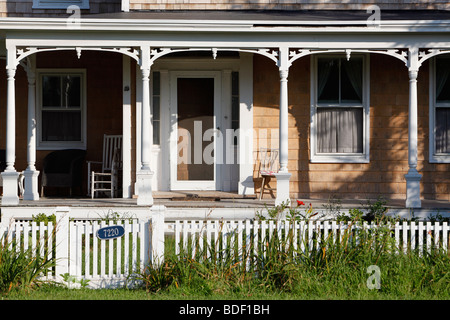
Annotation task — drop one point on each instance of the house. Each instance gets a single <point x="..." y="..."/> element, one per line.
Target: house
<point x="355" y="96"/>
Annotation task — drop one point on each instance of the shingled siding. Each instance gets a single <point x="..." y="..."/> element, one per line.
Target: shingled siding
<point x="286" y="4"/>
<point x="384" y="175"/>
<point x="24" y="8"/>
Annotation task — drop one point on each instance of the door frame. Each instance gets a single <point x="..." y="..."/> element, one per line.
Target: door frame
<point x="173" y="135"/>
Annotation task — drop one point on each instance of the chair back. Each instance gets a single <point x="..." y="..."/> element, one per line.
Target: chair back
<point x="269" y="161"/>
<point x="111" y="143"/>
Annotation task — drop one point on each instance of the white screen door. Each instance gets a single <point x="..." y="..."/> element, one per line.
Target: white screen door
<point x="195" y="102"/>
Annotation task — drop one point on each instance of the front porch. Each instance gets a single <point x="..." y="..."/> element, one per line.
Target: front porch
<point x="392" y="125"/>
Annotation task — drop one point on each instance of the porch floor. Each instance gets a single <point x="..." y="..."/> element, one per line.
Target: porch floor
<point x="214" y="199"/>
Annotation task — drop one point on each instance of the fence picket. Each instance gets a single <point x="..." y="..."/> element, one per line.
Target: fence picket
<point x="420" y="237"/>
<point x="445" y="240"/>
<point x="87" y="253"/>
<point x="103" y="253"/>
<point x="413" y="235"/>
<point x="405" y="236"/>
<point x="94" y="249"/>
<point x="119" y="254"/>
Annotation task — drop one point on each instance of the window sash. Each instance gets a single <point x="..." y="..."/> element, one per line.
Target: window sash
<point x="346" y="147"/>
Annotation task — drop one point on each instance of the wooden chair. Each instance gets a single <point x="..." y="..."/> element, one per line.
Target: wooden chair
<point x="106" y="180"/>
<point x="267" y="168"/>
<point x="62" y="168"/>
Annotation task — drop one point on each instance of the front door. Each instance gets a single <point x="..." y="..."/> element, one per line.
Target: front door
<point x="194" y="113"/>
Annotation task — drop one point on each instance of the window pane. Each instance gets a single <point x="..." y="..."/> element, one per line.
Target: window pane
<point x="328" y="80"/>
<point x="61" y="126"/>
<point x="235" y="83"/>
<point x="442" y="79"/>
<point x="339" y="130"/>
<point x="156" y="130"/>
<point x="71" y="91"/>
<point x="235" y="104"/>
<point x="51" y="91"/>
<point x="351" y="80"/>
<point x="442" y="130"/>
<point x="156" y="83"/>
<point x="156" y="107"/>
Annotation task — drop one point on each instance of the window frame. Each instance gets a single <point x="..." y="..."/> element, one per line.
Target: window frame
<point x="60" y="4"/>
<point x="363" y="157"/>
<point x="59" y="145"/>
<point x="433" y="156"/>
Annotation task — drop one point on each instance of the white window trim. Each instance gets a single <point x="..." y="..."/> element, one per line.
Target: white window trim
<point x="60" y="4"/>
<point x="59" y="145"/>
<point x="341" y="157"/>
<point x="433" y="157"/>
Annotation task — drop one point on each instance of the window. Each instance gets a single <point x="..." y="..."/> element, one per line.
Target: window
<point x="156" y="108"/>
<point x="339" y="109"/>
<point x="60" y="4"/>
<point x="61" y="110"/>
<point x="440" y="110"/>
<point x="235" y="104"/>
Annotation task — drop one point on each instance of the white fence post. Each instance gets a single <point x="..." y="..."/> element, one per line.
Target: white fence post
<point x="62" y="241"/>
<point x="157" y="235"/>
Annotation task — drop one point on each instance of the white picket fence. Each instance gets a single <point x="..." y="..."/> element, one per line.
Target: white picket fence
<point x="80" y="254"/>
<point x="250" y="238"/>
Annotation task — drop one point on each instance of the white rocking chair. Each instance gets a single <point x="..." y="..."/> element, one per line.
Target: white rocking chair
<point x="107" y="179"/>
<point x="267" y="168"/>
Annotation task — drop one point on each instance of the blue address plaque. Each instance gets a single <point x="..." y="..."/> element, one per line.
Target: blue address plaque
<point x="110" y="232"/>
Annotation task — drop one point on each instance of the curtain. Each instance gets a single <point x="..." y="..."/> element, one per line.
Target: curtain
<point x="353" y="68"/>
<point x="324" y="70"/>
<point x="442" y="138"/>
<point x="340" y="130"/>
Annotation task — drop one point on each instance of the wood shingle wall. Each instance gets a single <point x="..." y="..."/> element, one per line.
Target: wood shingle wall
<point x="286" y="4"/>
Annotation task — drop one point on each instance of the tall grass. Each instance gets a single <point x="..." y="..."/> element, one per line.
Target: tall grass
<point x="21" y="268"/>
<point x="335" y="267"/>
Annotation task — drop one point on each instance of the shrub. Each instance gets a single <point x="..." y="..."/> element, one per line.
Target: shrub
<point x="20" y="269"/>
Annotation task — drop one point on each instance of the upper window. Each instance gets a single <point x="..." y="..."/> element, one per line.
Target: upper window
<point x="339" y="109"/>
<point x="61" y="110"/>
<point x="60" y="4"/>
<point x="440" y="110"/>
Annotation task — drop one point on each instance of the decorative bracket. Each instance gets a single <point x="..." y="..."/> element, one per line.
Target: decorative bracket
<point x="24" y="52"/>
<point x="429" y="53"/>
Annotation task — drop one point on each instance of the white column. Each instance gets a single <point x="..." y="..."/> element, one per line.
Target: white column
<point x="245" y="153"/>
<point x="145" y="175"/>
<point x="10" y="175"/>
<point x="412" y="177"/>
<point x="31" y="174"/>
<point x="126" y="131"/>
<point x="283" y="175"/>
